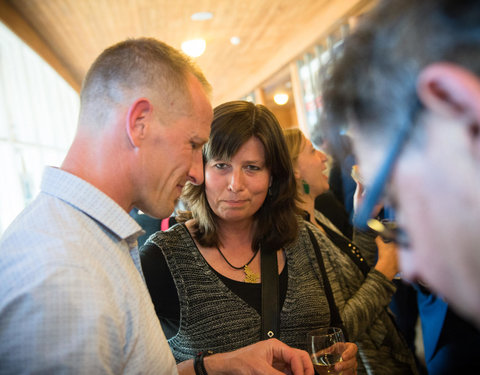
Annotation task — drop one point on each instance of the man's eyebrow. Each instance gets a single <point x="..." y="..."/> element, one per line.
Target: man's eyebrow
<point x="198" y="139"/>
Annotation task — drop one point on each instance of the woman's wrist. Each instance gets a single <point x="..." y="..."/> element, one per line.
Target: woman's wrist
<point x="217" y="364"/>
<point x="386" y="270"/>
<point x="199" y="362"/>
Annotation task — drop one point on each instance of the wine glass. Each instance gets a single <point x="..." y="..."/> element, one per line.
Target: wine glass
<point x="325" y="346"/>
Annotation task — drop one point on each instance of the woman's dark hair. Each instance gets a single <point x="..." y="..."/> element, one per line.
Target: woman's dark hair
<point x="234" y="123"/>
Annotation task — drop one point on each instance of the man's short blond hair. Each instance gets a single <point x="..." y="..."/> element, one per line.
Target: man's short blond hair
<point x="134" y="68"/>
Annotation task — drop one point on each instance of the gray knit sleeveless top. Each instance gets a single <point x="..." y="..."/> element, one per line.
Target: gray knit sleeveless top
<point x="212" y="317"/>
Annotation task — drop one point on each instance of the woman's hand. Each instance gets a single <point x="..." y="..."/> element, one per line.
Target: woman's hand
<point x="358" y="198"/>
<point x="387" y="258"/>
<point x="349" y="364"/>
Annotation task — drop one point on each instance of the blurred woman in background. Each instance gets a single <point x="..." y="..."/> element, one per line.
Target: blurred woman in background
<point x="382" y="349"/>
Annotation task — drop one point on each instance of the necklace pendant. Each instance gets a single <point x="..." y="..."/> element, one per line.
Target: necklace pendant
<point x="250" y="276"/>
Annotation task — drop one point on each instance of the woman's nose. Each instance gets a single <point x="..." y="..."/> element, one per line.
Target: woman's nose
<point x="323" y="156"/>
<point x="235" y="183"/>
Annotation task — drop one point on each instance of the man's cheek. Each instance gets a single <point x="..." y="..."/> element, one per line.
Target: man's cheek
<point x="407" y="264"/>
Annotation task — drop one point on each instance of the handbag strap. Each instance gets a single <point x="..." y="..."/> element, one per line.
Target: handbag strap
<point x="335" y="319"/>
<point x="270" y="295"/>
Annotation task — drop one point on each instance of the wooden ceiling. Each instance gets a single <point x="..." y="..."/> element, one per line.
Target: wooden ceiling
<point x="69" y="34"/>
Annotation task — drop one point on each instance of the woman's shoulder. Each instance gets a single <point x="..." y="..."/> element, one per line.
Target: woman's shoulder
<point x="175" y="235"/>
<point x="326" y="221"/>
<point x="304" y="226"/>
<point x="175" y="243"/>
<point x="310" y="234"/>
<point x="302" y="235"/>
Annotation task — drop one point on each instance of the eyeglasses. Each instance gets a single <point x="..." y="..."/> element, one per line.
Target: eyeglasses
<point x="374" y="192"/>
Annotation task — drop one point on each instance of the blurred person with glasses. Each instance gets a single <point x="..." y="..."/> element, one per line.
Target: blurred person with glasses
<point x="408" y="89"/>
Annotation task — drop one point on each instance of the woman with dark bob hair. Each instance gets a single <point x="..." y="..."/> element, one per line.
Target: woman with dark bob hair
<point x="235" y="123"/>
<point x="206" y="274"/>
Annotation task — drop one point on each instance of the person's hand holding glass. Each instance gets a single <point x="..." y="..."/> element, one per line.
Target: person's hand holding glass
<point x="326" y="346"/>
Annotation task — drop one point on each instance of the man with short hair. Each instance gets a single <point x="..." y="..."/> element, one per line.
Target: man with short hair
<point x="72" y="293"/>
<point x="408" y="87"/>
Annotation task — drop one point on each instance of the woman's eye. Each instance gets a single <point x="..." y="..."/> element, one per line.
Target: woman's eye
<point x="253" y="168"/>
<point x="220" y="165"/>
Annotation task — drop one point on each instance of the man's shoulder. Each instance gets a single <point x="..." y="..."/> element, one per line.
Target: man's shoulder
<point x="48" y="233"/>
<point x="44" y="221"/>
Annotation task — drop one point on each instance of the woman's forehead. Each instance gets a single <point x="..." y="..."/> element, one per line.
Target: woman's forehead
<point x="231" y="148"/>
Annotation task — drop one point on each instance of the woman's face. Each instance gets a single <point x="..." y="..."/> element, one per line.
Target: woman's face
<point x="237" y="188"/>
<point x="312" y="167"/>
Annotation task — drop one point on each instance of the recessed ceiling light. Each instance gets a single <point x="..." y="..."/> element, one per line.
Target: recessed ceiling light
<point x="280" y="98"/>
<point x="235" y="40"/>
<point x="201" y="16"/>
<point x="194" y="47"/>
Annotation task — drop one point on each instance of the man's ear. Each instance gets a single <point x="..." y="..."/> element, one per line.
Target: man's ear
<point x="136" y="121"/>
<point x="452" y="91"/>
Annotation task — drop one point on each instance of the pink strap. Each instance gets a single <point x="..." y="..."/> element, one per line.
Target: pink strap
<point x="164" y="224"/>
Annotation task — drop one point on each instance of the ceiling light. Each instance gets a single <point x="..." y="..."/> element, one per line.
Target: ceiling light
<point x="235" y="40"/>
<point x="201" y="16"/>
<point x="194" y="47"/>
<point x="280" y="98"/>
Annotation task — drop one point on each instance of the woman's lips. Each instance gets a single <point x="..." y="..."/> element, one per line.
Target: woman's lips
<point x="235" y="202"/>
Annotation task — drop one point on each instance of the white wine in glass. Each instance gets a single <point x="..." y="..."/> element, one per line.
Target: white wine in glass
<point x="325" y="346"/>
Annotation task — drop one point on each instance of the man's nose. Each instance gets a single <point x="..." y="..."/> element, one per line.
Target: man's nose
<point x="195" y="174"/>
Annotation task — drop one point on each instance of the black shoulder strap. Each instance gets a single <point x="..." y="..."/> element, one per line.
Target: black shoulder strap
<point x="270" y="295"/>
<point x="348" y="248"/>
<point x="335" y="319"/>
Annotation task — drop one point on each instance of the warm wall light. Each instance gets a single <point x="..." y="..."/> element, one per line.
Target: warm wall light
<point x="235" y="40"/>
<point x="194" y="47"/>
<point x="280" y="98"/>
